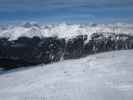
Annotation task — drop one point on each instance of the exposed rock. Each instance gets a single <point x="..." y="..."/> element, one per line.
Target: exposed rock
<point x="31" y="51"/>
<point x="75" y="47"/>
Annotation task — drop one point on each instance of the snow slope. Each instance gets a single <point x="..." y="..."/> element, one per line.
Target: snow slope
<point x="105" y="76"/>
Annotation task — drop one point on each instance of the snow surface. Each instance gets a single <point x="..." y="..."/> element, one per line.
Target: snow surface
<point x="105" y="76"/>
<point x="62" y="30"/>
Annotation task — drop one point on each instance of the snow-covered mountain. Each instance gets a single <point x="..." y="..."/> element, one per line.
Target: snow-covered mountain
<point x="105" y="76"/>
<point x="63" y="30"/>
<point x="30" y="44"/>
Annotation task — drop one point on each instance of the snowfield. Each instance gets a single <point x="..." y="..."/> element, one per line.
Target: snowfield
<point x="105" y="76"/>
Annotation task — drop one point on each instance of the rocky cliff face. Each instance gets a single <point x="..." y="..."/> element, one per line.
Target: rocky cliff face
<point x="27" y="51"/>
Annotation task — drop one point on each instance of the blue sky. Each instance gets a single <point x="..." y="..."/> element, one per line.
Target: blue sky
<point x="72" y="11"/>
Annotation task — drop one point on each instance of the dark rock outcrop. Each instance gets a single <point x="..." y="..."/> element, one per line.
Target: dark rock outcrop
<point x="74" y="48"/>
<point x="32" y="51"/>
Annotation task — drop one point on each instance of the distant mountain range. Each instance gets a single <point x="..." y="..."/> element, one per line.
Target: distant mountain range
<point x="63" y="30"/>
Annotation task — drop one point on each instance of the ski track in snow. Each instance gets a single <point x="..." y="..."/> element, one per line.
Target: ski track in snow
<point x="105" y="76"/>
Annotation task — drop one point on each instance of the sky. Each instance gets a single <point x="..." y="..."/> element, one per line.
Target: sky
<point x="71" y="11"/>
